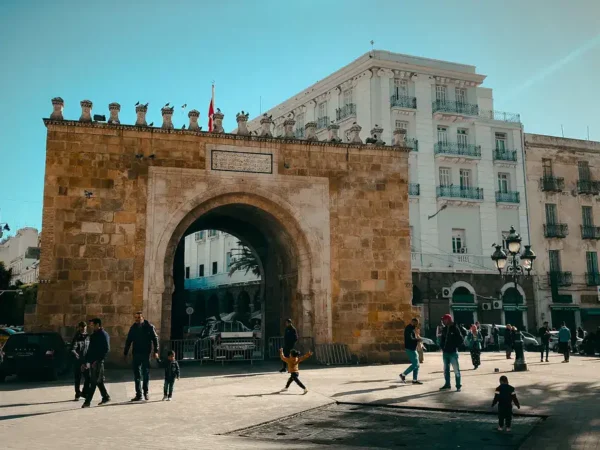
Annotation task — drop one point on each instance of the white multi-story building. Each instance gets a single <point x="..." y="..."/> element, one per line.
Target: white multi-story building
<point x="20" y="253"/>
<point x="466" y="169"/>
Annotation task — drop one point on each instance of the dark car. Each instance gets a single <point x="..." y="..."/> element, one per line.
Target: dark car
<point x="34" y="354"/>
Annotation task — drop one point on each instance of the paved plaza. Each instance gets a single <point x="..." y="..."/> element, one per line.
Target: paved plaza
<point x="237" y="407"/>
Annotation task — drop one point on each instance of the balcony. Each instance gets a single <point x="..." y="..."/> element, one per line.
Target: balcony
<point x="467" y="193"/>
<point x="507" y="197"/>
<point x="414" y="189"/>
<point x="455" y="261"/>
<point x="562" y="279"/>
<point x="456" y="150"/>
<point x="403" y="101"/>
<point x="500" y="116"/>
<point x="345" y="112"/>
<point x="590" y="232"/>
<point x="552" y="184"/>
<point x="444" y="110"/>
<point x="507" y="156"/>
<point x="592" y="278"/>
<point x="588" y="187"/>
<point x="323" y="122"/>
<point x="299" y="133"/>
<point x="413" y="144"/>
<point x="556" y="230"/>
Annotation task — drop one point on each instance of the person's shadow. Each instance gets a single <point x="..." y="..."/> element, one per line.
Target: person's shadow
<point x="259" y="395"/>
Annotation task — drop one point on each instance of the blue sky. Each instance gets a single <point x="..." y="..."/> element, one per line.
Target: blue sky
<point x="541" y="57"/>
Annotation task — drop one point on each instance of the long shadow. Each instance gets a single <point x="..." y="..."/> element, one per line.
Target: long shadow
<point x="20" y="416"/>
<point x="259" y="395"/>
<point x="367" y="381"/>
<point x="16" y="405"/>
<point x="366" y="391"/>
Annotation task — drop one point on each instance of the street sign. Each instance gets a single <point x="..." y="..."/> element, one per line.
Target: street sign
<point x="189" y="310"/>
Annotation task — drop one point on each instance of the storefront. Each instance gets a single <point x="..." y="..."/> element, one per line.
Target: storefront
<point x="516" y="315"/>
<point x="464" y="314"/>
<point x="564" y="313"/>
<point x="590" y="319"/>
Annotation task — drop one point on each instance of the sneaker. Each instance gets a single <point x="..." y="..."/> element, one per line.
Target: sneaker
<point x="305" y="392"/>
<point x="541" y="360"/>
<point x="547" y="360"/>
<point x="146" y="397"/>
<point x="77" y="397"/>
<point x="416" y="382"/>
<point x="85" y="405"/>
<point x="508" y="430"/>
<point x="284" y="390"/>
<point x="445" y="387"/>
<point x="500" y="429"/>
<point x="458" y="388"/>
<point x="104" y="401"/>
<point x="169" y="399"/>
<point x="137" y="398"/>
<point x="403" y="378"/>
<point x="164" y="398"/>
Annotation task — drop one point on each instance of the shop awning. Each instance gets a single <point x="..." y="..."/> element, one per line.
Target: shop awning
<point x="557" y="307"/>
<point x="512" y="307"/>
<point x="585" y="312"/>
<point x="464" y="307"/>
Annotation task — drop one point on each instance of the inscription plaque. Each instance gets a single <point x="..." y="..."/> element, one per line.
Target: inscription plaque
<point x="241" y="161"/>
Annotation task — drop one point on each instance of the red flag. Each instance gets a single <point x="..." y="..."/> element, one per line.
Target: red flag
<point x="211" y="109"/>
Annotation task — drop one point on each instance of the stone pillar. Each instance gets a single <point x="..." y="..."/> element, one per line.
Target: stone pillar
<point x="355" y="134"/>
<point x="375" y="138"/>
<point x="86" y="111"/>
<point x="167" y="115"/>
<point x="385" y="75"/>
<point x="194" y="115"/>
<point x="310" y="131"/>
<point x="114" y="109"/>
<point x="265" y="124"/>
<point x="333" y="132"/>
<point x="218" y="122"/>
<point x="140" y="111"/>
<point x="242" y="121"/>
<point x="399" y="137"/>
<point x="57" y="108"/>
<point x="288" y="129"/>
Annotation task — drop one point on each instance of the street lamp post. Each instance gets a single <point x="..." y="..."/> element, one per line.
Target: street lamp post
<point x="515" y="265"/>
<point x="3" y="227"/>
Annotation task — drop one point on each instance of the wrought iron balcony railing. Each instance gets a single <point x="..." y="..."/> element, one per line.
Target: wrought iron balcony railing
<point x="552" y="184"/>
<point x="590" y="232"/>
<point x="455" y="107"/>
<point x="592" y="278"/>
<point x="588" y="187"/>
<point x="508" y="197"/>
<point x="556" y="230"/>
<point x="345" y="112"/>
<point x="505" y="155"/>
<point x="560" y="278"/>
<point x="414" y="189"/>
<point x="299" y="133"/>
<point x="500" y="115"/>
<point x="403" y="101"/>
<point x="456" y="149"/>
<point x="413" y="144"/>
<point x="469" y="193"/>
<point x="323" y="122"/>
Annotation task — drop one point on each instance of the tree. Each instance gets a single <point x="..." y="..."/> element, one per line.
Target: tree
<point x="244" y="259"/>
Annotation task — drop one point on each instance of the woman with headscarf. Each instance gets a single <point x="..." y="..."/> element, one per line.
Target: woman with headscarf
<point x="474" y="340"/>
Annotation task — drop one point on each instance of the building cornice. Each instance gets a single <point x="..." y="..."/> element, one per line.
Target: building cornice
<point x="544" y="142"/>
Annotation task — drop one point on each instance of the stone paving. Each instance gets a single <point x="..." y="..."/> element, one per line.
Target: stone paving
<point x="212" y="402"/>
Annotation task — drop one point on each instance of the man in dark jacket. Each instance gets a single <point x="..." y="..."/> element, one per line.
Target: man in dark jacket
<point x="451" y="340"/>
<point x="411" y="340"/>
<point x="79" y="349"/>
<point x="98" y="348"/>
<point x="142" y="335"/>
<point x="544" y="335"/>
<point x="290" y="337"/>
<point x="508" y="341"/>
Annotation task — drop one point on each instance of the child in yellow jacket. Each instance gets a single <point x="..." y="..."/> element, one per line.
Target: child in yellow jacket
<point x="293" y="362"/>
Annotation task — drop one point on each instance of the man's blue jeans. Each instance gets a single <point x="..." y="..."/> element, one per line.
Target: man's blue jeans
<point x="413" y="357"/>
<point x="451" y="358"/>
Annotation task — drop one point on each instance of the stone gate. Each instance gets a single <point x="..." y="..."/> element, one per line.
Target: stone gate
<point x="328" y="220"/>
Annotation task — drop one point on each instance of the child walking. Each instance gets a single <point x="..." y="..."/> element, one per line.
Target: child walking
<point x="505" y="396"/>
<point x="171" y="373"/>
<point x="293" y="362"/>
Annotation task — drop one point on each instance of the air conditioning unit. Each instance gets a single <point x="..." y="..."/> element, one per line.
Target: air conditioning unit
<point x="486" y="306"/>
<point x="497" y="304"/>
<point x="464" y="250"/>
<point x="446" y="292"/>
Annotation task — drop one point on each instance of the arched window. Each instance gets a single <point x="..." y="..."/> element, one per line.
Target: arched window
<point x="462" y="295"/>
<point x="512" y="296"/>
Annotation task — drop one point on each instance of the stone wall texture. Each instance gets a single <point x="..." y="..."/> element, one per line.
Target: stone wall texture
<point x="96" y="255"/>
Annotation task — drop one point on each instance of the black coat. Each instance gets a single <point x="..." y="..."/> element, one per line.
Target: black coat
<point x="172" y="370"/>
<point x="410" y="338"/>
<point x="452" y="339"/>
<point x="99" y="346"/>
<point x="290" y="337"/>
<point x="80" y="345"/>
<point x="142" y="336"/>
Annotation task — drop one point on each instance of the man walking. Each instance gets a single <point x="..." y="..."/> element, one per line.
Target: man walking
<point x="142" y="335"/>
<point x="411" y="340"/>
<point x="495" y="337"/>
<point x="544" y="335"/>
<point x="290" y="337"/>
<point x="452" y="339"/>
<point x="79" y="349"/>
<point x="564" y="340"/>
<point x="99" y="347"/>
<point x="508" y="341"/>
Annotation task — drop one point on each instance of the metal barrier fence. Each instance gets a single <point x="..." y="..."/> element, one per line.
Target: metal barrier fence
<point x="192" y="349"/>
<point x="304" y="344"/>
<point x="333" y="354"/>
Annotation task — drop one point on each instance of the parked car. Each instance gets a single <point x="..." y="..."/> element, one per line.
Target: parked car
<point x="553" y="344"/>
<point x="429" y="345"/>
<point x="5" y="333"/>
<point x="530" y="343"/>
<point x="486" y="329"/>
<point x="34" y="353"/>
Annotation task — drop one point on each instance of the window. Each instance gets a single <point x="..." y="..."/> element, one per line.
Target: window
<point x="201" y="270"/>
<point x="503" y="182"/>
<point x="412" y="248"/>
<point x="584" y="170"/>
<point x="212" y="233"/>
<point x="551" y="214"/>
<point x="347" y="135"/>
<point x="400" y="88"/>
<point x="462" y="137"/>
<point x="587" y="217"/>
<point x="440" y="93"/>
<point x="547" y="167"/>
<point x="554" y="257"/>
<point x="442" y="134"/>
<point x="458" y="241"/>
<point x="461" y="95"/>
<point x="401" y="124"/>
<point x="445" y="176"/>
<point x="300" y="120"/>
<point x="347" y="97"/>
<point x="501" y="142"/>
<point x="214" y="268"/>
<point x="504" y="236"/>
<point x="228" y="260"/>
<point x="591" y="259"/>
<point x="465" y="178"/>
<point x="199" y="235"/>
<point x="322" y="110"/>
<point x="187" y="273"/>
